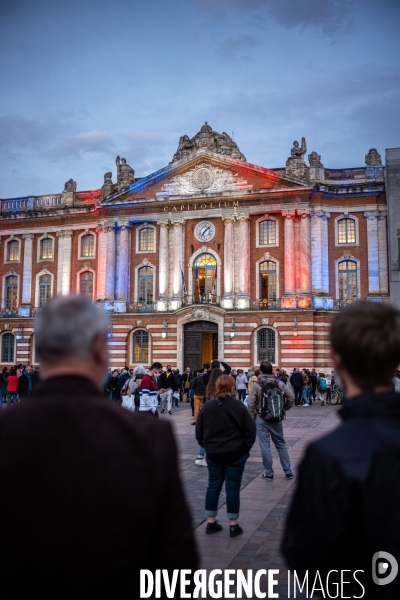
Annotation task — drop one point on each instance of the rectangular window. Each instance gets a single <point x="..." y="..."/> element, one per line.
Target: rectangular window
<point x="13" y="250"/>
<point x="46" y="248"/>
<point x="346" y="231"/>
<point x="87" y="246"/>
<point x="146" y="239"/>
<point x="140" y="341"/>
<point x="267" y="233"/>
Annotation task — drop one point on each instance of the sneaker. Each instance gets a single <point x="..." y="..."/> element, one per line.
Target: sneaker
<point x="213" y="527"/>
<point x="170" y="412"/>
<point x="193" y="423"/>
<point x="200" y="462"/>
<point x="235" y="530"/>
<point x="269" y="477"/>
<point x="289" y="475"/>
<point x="305" y="405"/>
<point x="162" y="410"/>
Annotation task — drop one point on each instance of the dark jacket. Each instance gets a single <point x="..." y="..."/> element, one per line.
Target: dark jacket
<point x="167" y="382"/>
<point x="97" y="497"/>
<point x="296" y="379"/>
<point x="198" y="386"/>
<point x="23" y="385"/>
<point x="122" y="379"/>
<point x="225" y="426"/>
<point x="227" y="371"/>
<point x="347" y="502"/>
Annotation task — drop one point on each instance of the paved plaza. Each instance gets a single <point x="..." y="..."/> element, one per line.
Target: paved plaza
<point x="263" y="503"/>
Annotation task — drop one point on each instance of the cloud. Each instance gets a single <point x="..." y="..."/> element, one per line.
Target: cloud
<point x="18" y="132"/>
<point x="232" y="49"/>
<point x="82" y="143"/>
<point x="332" y="17"/>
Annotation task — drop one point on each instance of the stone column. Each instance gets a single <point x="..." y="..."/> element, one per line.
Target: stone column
<point x="123" y="262"/>
<point x="229" y="258"/>
<point x="383" y="255"/>
<point x="27" y="269"/>
<point x="163" y="260"/>
<point x="101" y="261"/>
<point x="244" y="260"/>
<point x="110" y="262"/>
<point x="320" y="259"/>
<point x="373" y="254"/>
<point x="178" y="225"/>
<point x="64" y="261"/>
<point x="305" y="258"/>
<point x="289" y="299"/>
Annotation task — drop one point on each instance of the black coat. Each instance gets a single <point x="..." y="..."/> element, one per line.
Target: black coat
<point x="227" y="371"/>
<point x="23" y="385"/>
<point x="95" y="491"/>
<point x="225" y="426"/>
<point x="347" y="503"/>
<point x="296" y="379"/>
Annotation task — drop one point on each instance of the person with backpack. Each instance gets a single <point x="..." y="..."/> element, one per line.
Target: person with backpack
<point x="296" y="380"/>
<point x="269" y="399"/>
<point x="322" y="385"/>
<point x="328" y="389"/>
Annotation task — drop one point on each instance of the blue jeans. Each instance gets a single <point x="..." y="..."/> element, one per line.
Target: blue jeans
<point x="231" y="473"/>
<point x="242" y="394"/>
<point x="202" y="451"/>
<point x="266" y="431"/>
<point x="12" y="397"/>
<point x="306" y="394"/>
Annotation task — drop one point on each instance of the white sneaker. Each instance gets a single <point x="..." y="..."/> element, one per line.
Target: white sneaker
<point x="305" y="405"/>
<point x="200" y="462"/>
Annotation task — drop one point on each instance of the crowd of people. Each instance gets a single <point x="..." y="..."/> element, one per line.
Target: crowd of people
<point x="17" y="382"/>
<point x="98" y="489"/>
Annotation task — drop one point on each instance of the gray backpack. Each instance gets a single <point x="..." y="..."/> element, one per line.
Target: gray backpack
<point x="272" y="407"/>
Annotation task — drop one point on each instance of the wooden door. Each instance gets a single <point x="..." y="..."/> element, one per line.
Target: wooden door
<point x="192" y="350"/>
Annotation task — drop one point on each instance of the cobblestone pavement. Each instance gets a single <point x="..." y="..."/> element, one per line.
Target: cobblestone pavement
<point x="263" y="503"/>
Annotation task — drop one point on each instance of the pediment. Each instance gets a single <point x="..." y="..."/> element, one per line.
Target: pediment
<point x="204" y="178"/>
<point x="205" y="174"/>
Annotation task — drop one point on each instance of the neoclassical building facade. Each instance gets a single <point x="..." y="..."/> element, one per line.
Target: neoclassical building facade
<point x="209" y="257"/>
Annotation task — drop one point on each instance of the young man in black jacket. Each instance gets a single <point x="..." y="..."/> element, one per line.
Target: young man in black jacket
<point x="345" y="514"/>
<point x="296" y="379"/>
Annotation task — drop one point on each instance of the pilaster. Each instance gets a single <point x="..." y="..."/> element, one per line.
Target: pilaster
<point x="304" y="300"/>
<point x="320" y="259"/>
<point x="101" y="261"/>
<point x="383" y="255"/>
<point x="177" y="225"/>
<point x="289" y="298"/>
<point x="110" y="262"/>
<point x="243" y="261"/>
<point x="373" y="252"/>
<point x="27" y="269"/>
<point x="123" y="262"/>
<point x="229" y="257"/>
<point x="64" y="261"/>
<point x="163" y="266"/>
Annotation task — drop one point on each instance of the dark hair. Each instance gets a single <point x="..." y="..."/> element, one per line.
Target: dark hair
<point x="224" y="386"/>
<point x="266" y="367"/>
<point x="211" y="390"/>
<point x="156" y="365"/>
<point x="257" y="372"/>
<point x="215" y="364"/>
<point x="13" y="371"/>
<point x="366" y="336"/>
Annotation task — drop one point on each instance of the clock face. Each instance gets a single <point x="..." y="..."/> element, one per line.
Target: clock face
<point x="204" y="231"/>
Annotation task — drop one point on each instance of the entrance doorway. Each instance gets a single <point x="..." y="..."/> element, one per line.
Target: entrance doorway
<point x="200" y="344"/>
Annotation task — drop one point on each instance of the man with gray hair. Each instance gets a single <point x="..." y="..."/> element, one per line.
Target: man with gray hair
<point x="94" y="489"/>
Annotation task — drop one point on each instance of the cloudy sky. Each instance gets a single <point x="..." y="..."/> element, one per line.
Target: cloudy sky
<point x="86" y="80"/>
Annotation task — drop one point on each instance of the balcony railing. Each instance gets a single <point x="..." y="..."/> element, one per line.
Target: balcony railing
<point x="165" y="305"/>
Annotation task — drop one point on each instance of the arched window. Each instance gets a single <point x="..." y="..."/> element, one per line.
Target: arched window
<point x="87" y="246"/>
<point x="348" y="280"/>
<point x="146" y="239"/>
<point x="268" y="280"/>
<point x="13" y="251"/>
<point x="86" y="284"/>
<point x="267" y="233"/>
<point x="205" y="278"/>
<point x="346" y="231"/>
<point x="46" y="248"/>
<point x="145" y="285"/>
<point x="140" y="346"/>
<point x="266" y="345"/>
<point x="44" y="289"/>
<point x="7" y="348"/>
<point x="11" y="292"/>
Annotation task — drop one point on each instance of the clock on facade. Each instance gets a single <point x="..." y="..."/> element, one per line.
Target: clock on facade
<point x="204" y="231"/>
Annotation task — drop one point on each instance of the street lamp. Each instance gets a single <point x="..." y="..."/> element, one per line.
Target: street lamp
<point x="232" y="333"/>
<point x="164" y="333"/>
<point x="295" y="327"/>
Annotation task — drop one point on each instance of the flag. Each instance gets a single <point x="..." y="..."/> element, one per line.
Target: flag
<point x="214" y="285"/>
<point x="184" y="290"/>
<point x="198" y="282"/>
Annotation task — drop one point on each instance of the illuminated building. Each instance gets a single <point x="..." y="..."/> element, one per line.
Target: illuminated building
<point x="209" y="257"/>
